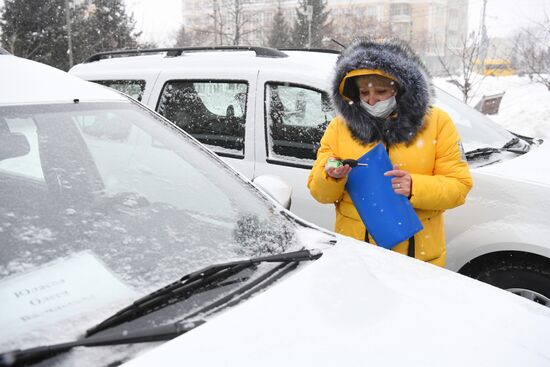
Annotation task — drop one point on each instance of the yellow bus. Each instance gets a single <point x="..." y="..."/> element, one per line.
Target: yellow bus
<point x="495" y="67"/>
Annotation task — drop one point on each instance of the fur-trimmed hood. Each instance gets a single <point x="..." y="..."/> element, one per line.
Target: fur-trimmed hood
<point x="413" y="96"/>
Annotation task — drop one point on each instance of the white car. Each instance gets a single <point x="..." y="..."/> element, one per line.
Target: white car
<point x="264" y="111"/>
<point x="119" y="231"/>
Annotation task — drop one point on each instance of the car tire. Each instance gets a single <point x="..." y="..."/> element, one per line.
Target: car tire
<point x="526" y="276"/>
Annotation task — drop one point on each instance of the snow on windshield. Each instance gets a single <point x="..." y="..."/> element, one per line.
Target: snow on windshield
<point x="134" y="193"/>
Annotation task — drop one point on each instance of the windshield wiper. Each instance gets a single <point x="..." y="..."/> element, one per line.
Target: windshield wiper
<point x="177" y="291"/>
<point x="191" y="283"/>
<point x="151" y="334"/>
<point x="508" y="147"/>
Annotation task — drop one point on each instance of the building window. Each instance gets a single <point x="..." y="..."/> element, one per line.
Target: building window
<point x="373" y="11"/>
<point x="400" y="9"/>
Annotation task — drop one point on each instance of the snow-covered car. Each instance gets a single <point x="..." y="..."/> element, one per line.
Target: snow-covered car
<point x="119" y="231"/>
<point x="265" y="110"/>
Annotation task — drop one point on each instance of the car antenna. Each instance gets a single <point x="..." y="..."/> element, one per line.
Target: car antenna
<point x="328" y="39"/>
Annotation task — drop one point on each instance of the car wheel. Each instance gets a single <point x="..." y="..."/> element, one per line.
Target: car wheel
<point x="528" y="277"/>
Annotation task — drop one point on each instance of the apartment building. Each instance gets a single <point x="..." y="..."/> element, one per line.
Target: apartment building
<point x="432" y="27"/>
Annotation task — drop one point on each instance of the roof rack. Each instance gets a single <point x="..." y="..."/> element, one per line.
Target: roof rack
<point x="325" y="50"/>
<point x="178" y="51"/>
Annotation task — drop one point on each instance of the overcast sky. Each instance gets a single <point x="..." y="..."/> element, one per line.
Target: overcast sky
<point x="503" y="17"/>
<point x="160" y="19"/>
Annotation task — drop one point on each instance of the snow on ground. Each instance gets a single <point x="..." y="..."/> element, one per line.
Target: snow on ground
<point x="525" y="106"/>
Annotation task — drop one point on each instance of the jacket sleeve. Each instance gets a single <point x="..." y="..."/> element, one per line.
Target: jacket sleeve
<point x="451" y="180"/>
<point x="324" y="188"/>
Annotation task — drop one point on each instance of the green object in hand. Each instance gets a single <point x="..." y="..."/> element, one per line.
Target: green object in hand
<point x="334" y="163"/>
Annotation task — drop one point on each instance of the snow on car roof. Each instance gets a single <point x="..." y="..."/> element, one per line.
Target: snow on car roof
<point x="29" y="82"/>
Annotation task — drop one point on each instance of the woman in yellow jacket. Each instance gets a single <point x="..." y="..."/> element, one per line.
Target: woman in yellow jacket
<point x="382" y="93"/>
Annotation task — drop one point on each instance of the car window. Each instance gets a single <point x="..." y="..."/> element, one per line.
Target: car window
<point x="132" y="88"/>
<point x="213" y="112"/>
<point x="296" y="118"/>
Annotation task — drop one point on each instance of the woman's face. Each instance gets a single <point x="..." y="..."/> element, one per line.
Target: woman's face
<point x="372" y="93"/>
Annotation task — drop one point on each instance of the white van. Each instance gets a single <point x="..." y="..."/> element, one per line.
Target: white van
<point x="264" y="111"/>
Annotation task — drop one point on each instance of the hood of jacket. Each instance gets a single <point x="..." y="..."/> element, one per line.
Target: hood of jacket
<point x="413" y="97"/>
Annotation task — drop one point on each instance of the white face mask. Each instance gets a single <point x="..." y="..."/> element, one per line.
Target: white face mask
<point x="380" y="109"/>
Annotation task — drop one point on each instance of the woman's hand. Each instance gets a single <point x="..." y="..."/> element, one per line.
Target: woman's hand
<point x="401" y="181"/>
<point x="339" y="172"/>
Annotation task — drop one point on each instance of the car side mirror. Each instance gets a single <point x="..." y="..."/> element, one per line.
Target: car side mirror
<point x="13" y="145"/>
<point x="276" y="188"/>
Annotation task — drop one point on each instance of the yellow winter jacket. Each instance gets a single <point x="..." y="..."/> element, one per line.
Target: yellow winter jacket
<point x="440" y="180"/>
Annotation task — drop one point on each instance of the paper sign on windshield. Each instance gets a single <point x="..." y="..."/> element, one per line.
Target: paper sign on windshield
<point x="57" y="291"/>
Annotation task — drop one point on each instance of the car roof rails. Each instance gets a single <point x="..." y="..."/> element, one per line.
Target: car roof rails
<point x="324" y="50"/>
<point x="178" y="51"/>
<point x="4" y="52"/>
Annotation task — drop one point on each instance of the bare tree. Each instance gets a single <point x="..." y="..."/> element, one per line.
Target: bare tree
<point x="354" y="22"/>
<point x="533" y="52"/>
<point x="212" y="34"/>
<point x="230" y="23"/>
<point x="240" y="19"/>
<point x="461" y="63"/>
<point x="183" y="38"/>
<point x="186" y="37"/>
<point x="218" y="22"/>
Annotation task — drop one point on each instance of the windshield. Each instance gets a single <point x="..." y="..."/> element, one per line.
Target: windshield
<point x="476" y="130"/>
<point x="104" y="203"/>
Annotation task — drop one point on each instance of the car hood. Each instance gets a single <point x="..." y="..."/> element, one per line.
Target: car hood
<point x="532" y="167"/>
<point x="363" y="305"/>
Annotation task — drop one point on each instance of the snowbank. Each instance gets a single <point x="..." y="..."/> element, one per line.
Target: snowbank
<point x="525" y="107"/>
